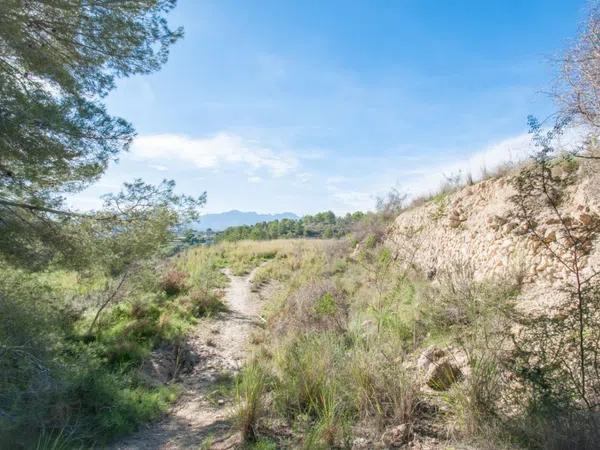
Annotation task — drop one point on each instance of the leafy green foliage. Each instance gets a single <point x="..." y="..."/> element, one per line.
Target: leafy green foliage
<point x="53" y="379"/>
<point x="55" y="375"/>
<point x="69" y="374"/>
<point x="58" y="59"/>
<point x="322" y="225"/>
<point x="538" y="189"/>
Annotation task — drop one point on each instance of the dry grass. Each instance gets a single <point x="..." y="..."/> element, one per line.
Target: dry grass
<point x="174" y="282"/>
<point x="249" y="395"/>
<point x="316" y="306"/>
<point x="341" y="338"/>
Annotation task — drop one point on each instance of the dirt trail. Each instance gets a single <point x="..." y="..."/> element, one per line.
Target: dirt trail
<point x="221" y="345"/>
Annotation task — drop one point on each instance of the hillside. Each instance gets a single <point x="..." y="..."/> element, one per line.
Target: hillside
<point x="479" y="227"/>
<point x="452" y="326"/>
<point x="465" y="319"/>
<point x="456" y="323"/>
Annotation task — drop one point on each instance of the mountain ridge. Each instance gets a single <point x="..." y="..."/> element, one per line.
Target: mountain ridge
<point x="234" y="217"/>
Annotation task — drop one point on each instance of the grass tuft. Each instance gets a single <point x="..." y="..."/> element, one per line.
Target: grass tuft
<point x="250" y="388"/>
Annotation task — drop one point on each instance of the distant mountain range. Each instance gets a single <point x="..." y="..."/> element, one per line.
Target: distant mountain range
<point x="220" y="221"/>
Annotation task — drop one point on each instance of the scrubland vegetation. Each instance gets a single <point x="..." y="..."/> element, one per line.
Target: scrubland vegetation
<point x="338" y="362"/>
<point x="350" y="330"/>
<point x="63" y="377"/>
<point x="358" y="347"/>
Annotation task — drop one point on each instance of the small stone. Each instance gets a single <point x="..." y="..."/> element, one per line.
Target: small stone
<point x="550" y="237"/>
<point x="428" y="356"/>
<point x="586" y="219"/>
<point x="360" y="443"/>
<point x="453" y="223"/>
<point x="397" y="436"/>
<point x="500" y="220"/>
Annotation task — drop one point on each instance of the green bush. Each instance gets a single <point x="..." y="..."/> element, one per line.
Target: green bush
<point x="58" y="383"/>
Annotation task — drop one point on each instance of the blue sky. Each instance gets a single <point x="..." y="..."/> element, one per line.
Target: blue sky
<point x="306" y="106"/>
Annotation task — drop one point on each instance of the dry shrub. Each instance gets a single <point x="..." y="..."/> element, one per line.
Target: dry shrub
<point x="308" y="367"/>
<point x="572" y="430"/>
<point x="474" y="405"/>
<point x="174" y="282"/>
<point x="461" y="304"/>
<point x="206" y="303"/>
<point x="371" y="230"/>
<point x="383" y="388"/>
<point x="316" y="306"/>
<point x="166" y="362"/>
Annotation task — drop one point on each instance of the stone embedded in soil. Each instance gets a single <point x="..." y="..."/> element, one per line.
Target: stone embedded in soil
<point x="397" y="436"/>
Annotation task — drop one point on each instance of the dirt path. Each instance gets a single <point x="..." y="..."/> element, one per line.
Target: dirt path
<point x="199" y="417"/>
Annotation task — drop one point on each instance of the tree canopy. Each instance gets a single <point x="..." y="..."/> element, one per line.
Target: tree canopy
<point x="58" y="58"/>
<point x="321" y="225"/>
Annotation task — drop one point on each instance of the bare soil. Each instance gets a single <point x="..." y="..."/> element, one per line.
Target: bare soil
<point x="202" y="416"/>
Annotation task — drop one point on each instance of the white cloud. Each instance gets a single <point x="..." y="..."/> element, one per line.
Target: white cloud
<point x="213" y="152"/>
<point x="304" y="177"/>
<point x="158" y="167"/>
<point x="425" y="179"/>
<point x="254" y="179"/>
<point x="350" y="199"/>
<point x="426" y="176"/>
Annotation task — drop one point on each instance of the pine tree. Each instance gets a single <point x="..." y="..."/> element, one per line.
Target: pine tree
<point x="58" y="59"/>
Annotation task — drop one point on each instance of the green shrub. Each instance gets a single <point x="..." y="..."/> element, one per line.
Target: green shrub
<point x="56" y="440"/>
<point x="473" y="404"/>
<point x="111" y="405"/>
<point x="326" y="305"/>
<point x="305" y="367"/>
<point x="262" y="444"/>
<point x="317" y="306"/>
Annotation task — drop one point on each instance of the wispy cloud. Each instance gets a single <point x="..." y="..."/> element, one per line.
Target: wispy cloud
<point x="222" y="149"/>
<point x="348" y="197"/>
<point x="425" y="175"/>
<point x="426" y="178"/>
<point x="158" y="167"/>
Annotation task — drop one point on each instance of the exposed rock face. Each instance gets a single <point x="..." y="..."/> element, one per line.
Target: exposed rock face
<point x="478" y="226"/>
<point x="429" y="357"/>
